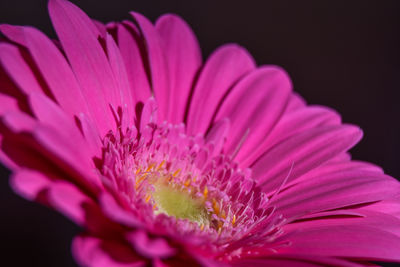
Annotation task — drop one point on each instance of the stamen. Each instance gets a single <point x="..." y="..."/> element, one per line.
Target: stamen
<point x="161" y="165"/>
<point x="216" y="198"/>
<point x="176" y="172"/>
<point x="205" y="192"/>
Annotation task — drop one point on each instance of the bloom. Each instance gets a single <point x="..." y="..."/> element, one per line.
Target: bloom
<point x="163" y="159"/>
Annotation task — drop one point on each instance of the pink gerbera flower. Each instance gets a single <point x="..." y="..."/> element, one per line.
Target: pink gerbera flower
<point x="166" y="160"/>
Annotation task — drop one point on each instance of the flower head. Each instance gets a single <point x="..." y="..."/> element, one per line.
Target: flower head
<point x="166" y="160"/>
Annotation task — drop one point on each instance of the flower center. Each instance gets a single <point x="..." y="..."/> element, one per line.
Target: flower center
<point x="163" y="171"/>
<point x="180" y="204"/>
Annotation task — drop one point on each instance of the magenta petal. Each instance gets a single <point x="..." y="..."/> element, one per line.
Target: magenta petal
<point x="124" y="89"/>
<point x="5" y="160"/>
<point x="29" y="183"/>
<point x="149" y="113"/>
<point x="133" y="60"/>
<point x="298" y="121"/>
<point x="54" y="143"/>
<point x="51" y="144"/>
<point x="368" y="218"/>
<point x="13" y="33"/>
<point x="18" y="121"/>
<point x="221" y="71"/>
<point x="297" y="260"/>
<point x="62" y="196"/>
<point x="69" y="200"/>
<point x="183" y="56"/>
<point x="149" y="247"/>
<point x="8" y="103"/>
<point x="115" y="212"/>
<point x="218" y="134"/>
<point x="14" y="64"/>
<point x="338" y="165"/>
<point x="295" y="102"/>
<point x="94" y="252"/>
<point x="50" y="114"/>
<point x="157" y="63"/>
<point x="389" y="206"/>
<point x="100" y="27"/>
<point x="91" y="134"/>
<point x="88" y="60"/>
<point x="304" y="152"/>
<point x="337" y="190"/>
<point x="353" y="241"/>
<point x="47" y="112"/>
<point x="263" y="91"/>
<point x="55" y="70"/>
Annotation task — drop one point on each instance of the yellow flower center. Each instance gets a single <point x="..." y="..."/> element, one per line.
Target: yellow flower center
<point x="180" y="204"/>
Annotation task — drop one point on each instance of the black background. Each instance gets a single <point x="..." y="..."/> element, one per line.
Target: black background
<point x="342" y="54"/>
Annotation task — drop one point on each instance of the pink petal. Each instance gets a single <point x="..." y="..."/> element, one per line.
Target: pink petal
<point x="296" y="122"/>
<point x="50" y="114"/>
<point x="78" y="37"/>
<point x="183" y="57"/>
<point x="116" y="213"/>
<point x="61" y="195"/>
<point x="157" y="63"/>
<point x="51" y="144"/>
<point x="8" y="103"/>
<point x="222" y="70"/>
<point x="66" y="154"/>
<point x="94" y="252"/>
<point x="118" y="68"/>
<point x="304" y="152"/>
<point x="351" y="241"/>
<point x="5" y="159"/>
<point x="100" y="27"/>
<point x="56" y="71"/>
<point x="334" y="165"/>
<point x="17" y="121"/>
<point x="390" y="206"/>
<point x="263" y="91"/>
<point x="149" y="113"/>
<point x="129" y="47"/>
<point x="297" y="260"/>
<point x="218" y="134"/>
<point x="69" y="200"/>
<point x="375" y="219"/>
<point x="150" y="247"/>
<point x="47" y="112"/>
<point x="17" y="151"/>
<point x="29" y="183"/>
<point x="13" y="33"/>
<point x="92" y="136"/>
<point x="21" y="73"/>
<point x="295" y="102"/>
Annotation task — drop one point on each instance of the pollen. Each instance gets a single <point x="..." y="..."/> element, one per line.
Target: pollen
<point x="176" y="172"/>
<point x="179" y="204"/>
<point x="205" y="192"/>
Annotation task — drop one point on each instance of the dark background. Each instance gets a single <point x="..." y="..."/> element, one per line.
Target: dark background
<point x="342" y="54"/>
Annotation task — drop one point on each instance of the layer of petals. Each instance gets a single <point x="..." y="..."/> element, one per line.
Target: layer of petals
<point x="183" y="57"/>
<point x="159" y="75"/>
<point x="130" y="48"/>
<point x="303" y="152"/>
<point x="263" y="91"/>
<point x="222" y="70"/>
<point x="78" y="36"/>
<point x="93" y="252"/>
<point x="350" y="241"/>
